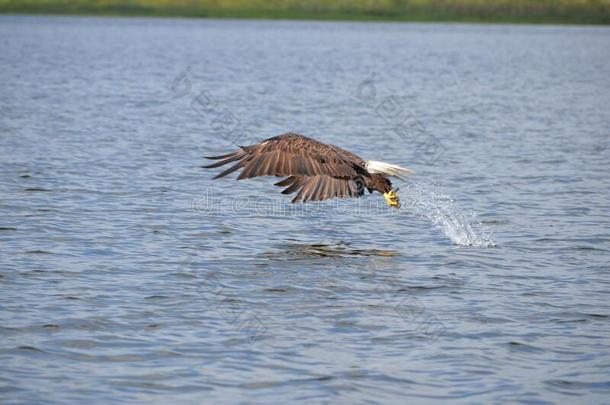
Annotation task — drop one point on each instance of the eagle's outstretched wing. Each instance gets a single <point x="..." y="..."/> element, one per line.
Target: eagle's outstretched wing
<point x="321" y="187"/>
<point x="316" y="171"/>
<point x="291" y="154"/>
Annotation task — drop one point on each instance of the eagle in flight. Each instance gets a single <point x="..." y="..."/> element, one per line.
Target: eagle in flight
<point x="314" y="170"/>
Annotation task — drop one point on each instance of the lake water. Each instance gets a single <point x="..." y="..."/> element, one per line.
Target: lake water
<point x="128" y="275"/>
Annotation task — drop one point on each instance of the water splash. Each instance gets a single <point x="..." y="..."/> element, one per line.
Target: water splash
<point x="461" y="228"/>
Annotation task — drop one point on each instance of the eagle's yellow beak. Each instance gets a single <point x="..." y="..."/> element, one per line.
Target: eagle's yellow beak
<point x="391" y="197"/>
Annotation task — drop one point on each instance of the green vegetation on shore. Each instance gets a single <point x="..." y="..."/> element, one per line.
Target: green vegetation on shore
<point x="519" y="11"/>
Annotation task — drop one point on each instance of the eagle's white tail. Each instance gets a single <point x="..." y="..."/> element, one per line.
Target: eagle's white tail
<point x="387" y="168"/>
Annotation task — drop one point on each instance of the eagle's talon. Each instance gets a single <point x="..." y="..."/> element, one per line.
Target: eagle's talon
<point x="392" y="199"/>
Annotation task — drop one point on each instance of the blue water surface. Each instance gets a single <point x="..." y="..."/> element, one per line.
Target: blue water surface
<point x="128" y="275"/>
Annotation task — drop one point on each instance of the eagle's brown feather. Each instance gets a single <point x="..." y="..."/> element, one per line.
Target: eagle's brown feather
<point x="320" y="187"/>
<point x="314" y="170"/>
<point x="289" y="154"/>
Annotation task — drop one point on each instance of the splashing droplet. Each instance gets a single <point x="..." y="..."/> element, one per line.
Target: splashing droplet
<point x="442" y="211"/>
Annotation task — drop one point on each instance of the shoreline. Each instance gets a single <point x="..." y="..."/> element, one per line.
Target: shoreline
<point x="584" y="16"/>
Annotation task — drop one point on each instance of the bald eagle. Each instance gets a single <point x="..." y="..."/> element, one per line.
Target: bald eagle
<point x="314" y="170"/>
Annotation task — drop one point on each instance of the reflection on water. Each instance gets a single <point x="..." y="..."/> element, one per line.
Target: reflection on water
<point x="313" y="250"/>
